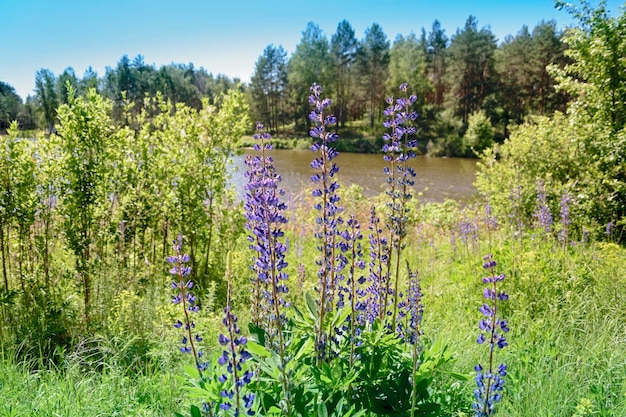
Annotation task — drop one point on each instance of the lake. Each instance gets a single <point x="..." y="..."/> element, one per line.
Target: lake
<point x="437" y="178"/>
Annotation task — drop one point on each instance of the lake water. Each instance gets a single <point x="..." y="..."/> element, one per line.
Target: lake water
<point x="437" y="178"/>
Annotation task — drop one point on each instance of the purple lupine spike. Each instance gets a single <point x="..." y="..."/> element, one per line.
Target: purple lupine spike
<point x="609" y="228"/>
<point x="378" y="277"/>
<point x="265" y="216"/>
<point x="350" y="287"/>
<point x="489" y="384"/>
<point x="329" y="219"/>
<point x="411" y="311"/>
<point x="233" y="357"/>
<point x="264" y="210"/>
<point x="543" y="213"/>
<point x="187" y="299"/>
<point x="399" y="148"/>
<point x="491" y="223"/>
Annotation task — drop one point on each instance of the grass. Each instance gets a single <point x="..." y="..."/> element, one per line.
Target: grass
<point x="70" y="389"/>
<point x="568" y="324"/>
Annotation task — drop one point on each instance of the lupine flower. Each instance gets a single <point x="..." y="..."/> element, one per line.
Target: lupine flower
<point x="491" y="223"/>
<point x="609" y="228"/>
<point x="490" y="382"/>
<point x="378" y="279"/>
<point x="351" y="285"/>
<point x="399" y="147"/>
<point x="264" y="213"/>
<point x="183" y="296"/>
<point x="468" y="231"/>
<point x="543" y="213"/>
<point x="329" y="219"/>
<point x="565" y="218"/>
<point x="233" y="358"/>
<point x="411" y="311"/>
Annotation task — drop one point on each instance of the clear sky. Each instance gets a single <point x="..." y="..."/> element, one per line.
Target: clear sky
<point x="223" y="36"/>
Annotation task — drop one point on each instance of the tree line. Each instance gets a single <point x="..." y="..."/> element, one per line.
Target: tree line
<point x="471" y="89"/>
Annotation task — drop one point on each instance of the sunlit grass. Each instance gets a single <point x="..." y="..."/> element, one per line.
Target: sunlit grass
<point x="70" y="389"/>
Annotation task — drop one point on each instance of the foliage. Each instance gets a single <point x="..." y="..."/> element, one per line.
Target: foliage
<point x="268" y="87"/>
<point x="47" y="95"/>
<point x="373" y="59"/>
<point x="343" y="48"/>
<point x="10" y="104"/>
<point x="580" y="153"/>
<point x="86" y="214"/>
<point x="86" y="149"/>
<point x="472" y="67"/>
<point x="309" y="63"/>
<point x="479" y="134"/>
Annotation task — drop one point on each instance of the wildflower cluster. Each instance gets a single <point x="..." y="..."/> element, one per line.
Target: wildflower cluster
<point x="233" y="358"/>
<point x="182" y="286"/>
<point x="399" y="148"/>
<point x="411" y="311"/>
<point x="264" y="213"/>
<point x="490" y="381"/>
<point x="329" y="219"/>
<point x="543" y="213"/>
<point x="306" y="365"/>
<point x="468" y="231"/>
<point x="351" y="289"/>
<point x="378" y="288"/>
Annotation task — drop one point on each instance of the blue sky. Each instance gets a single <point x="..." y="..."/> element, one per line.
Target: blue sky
<point x="221" y="36"/>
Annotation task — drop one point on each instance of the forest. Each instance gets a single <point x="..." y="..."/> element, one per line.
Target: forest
<point x="135" y="282"/>
<point x="462" y="80"/>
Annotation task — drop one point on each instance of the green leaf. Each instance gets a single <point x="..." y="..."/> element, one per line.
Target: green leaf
<point x="460" y="377"/>
<point x="311" y="305"/>
<point x="258" y="332"/>
<point x="195" y="411"/>
<point x="340" y="317"/>
<point x="192" y="371"/>
<point x="201" y="393"/>
<point x="321" y="410"/>
<point x="258" y="350"/>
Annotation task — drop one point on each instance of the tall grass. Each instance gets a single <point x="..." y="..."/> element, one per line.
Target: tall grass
<point x="33" y="388"/>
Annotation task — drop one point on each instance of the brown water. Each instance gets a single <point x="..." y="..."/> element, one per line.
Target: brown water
<point x="437" y="179"/>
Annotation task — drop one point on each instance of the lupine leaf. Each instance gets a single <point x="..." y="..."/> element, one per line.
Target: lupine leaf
<point x="195" y="411"/>
<point x="257" y="349"/>
<point x="321" y="410"/>
<point x="311" y="305"/>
